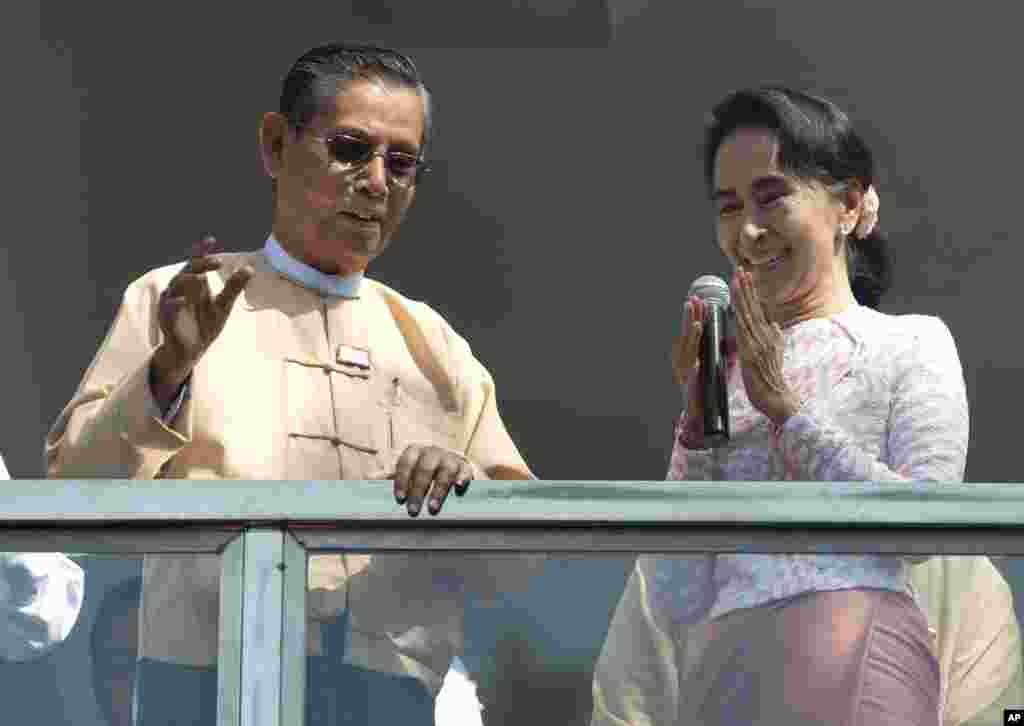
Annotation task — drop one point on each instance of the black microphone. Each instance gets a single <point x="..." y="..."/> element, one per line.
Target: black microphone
<point x="713" y="357"/>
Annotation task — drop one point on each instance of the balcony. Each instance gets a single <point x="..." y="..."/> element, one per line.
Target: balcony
<point x="564" y="550"/>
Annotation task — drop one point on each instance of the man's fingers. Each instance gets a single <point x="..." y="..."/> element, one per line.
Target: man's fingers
<point x="192" y="283"/>
<point x="181" y="331"/>
<point x="191" y="293"/>
<point x="423" y="471"/>
<point x="233" y="288"/>
<point x="447" y="473"/>
<point x="200" y="265"/>
<point x="187" y="284"/>
<point x="199" y="255"/>
<point x="403" y="472"/>
<point x="206" y="245"/>
<point x="422" y="476"/>
<point x="464" y="478"/>
<point x="170" y="306"/>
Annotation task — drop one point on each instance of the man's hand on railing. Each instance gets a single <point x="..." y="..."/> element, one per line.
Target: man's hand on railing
<point x="430" y="471"/>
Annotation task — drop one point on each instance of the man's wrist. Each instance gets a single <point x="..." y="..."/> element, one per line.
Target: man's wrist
<point x="166" y="376"/>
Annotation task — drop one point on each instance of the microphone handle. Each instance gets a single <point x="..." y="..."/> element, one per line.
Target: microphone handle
<point x="713" y="369"/>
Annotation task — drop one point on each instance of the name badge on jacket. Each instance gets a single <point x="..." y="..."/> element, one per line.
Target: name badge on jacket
<point x="352" y="356"/>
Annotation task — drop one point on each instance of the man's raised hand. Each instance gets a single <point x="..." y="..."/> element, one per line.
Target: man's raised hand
<point x="191" y="318"/>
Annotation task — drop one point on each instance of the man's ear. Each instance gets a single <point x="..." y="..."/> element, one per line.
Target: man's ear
<point x="272" y="132"/>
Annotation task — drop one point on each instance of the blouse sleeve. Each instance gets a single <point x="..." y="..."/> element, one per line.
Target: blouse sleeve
<point x="681" y="587"/>
<point x="928" y="422"/>
<point x="690" y="459"/>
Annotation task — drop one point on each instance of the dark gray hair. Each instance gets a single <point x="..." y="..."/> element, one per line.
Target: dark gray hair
<point x="326" y="70"/>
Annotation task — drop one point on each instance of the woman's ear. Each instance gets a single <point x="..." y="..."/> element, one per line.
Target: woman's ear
<point x="850" y="199"/>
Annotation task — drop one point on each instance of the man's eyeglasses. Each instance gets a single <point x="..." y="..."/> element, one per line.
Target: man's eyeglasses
<point x="403" y="169"/>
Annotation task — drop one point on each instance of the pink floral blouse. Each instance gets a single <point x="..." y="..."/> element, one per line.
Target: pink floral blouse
<point x="883" y="401"/>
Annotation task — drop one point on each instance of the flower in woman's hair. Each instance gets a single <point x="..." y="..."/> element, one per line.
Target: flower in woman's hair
<point x="868" y="213"/>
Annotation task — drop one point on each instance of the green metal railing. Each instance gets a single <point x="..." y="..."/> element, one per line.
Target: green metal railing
<point x="264" y="530"/>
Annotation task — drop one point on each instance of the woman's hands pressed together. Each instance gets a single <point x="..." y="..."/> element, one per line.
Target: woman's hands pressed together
<point x="686" y="355"/>
<point x="760" y="348"/>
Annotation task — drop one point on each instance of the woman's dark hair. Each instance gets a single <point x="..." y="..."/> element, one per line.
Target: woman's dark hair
<point x="816" y="142"/>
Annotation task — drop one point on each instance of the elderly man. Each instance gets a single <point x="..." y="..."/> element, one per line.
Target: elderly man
<point x="288" y="363"/>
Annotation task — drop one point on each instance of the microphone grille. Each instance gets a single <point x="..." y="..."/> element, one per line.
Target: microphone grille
<point x="711" y="288"/>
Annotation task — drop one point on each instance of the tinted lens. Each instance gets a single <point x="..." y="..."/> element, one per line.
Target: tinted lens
<point x="348" y="150"/>
<point x="402" y="166"/>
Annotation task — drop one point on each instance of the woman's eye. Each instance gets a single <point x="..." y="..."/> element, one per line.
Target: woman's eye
<point x="727" y="209"/>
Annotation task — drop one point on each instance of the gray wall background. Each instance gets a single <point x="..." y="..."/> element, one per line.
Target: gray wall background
<point x="566" y="217"/>
<point x="560" y="231"/>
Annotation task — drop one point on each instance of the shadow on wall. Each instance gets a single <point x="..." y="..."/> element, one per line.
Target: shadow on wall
<point x="456" y="24"/>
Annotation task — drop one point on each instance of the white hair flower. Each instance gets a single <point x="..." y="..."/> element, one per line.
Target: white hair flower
<point x="868" y="213"/>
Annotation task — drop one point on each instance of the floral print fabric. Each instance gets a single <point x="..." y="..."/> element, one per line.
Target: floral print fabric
<point x="884" y="400"/>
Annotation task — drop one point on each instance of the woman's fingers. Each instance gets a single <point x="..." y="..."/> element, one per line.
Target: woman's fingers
<point x="686" y="347"/>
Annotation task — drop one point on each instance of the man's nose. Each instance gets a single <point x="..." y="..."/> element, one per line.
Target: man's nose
<point x="375" y="176"/>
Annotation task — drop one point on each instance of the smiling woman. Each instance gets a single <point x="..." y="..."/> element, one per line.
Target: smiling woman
<point x="821" y="387"/>
<point x="791" y="180"/>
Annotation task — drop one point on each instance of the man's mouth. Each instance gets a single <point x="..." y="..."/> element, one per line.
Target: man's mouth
<point x="363" y="217"/>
